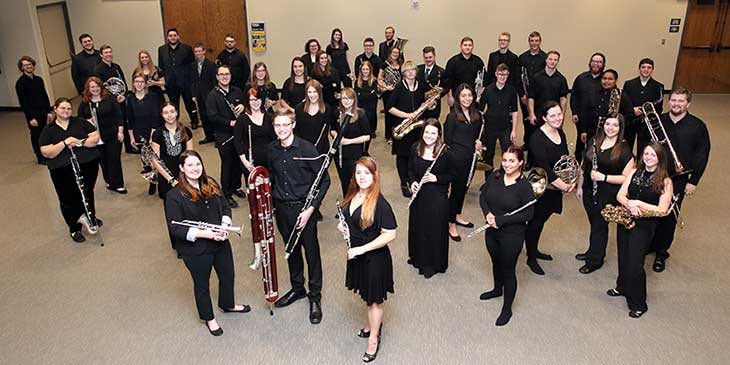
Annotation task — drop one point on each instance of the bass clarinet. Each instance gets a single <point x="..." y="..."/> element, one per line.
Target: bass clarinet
<point x="76" y="167"/>
<point x="296" y="233"/>
<point x="262" y="232"/>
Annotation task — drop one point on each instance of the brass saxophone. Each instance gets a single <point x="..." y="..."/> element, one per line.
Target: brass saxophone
<point x="409" y="124"/>
<point x="622" y="215"/>
<point x="614" y="102"/>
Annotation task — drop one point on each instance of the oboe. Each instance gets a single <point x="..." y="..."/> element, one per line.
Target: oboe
<point x="428" y="171"/>
<point x="341" y="217"/>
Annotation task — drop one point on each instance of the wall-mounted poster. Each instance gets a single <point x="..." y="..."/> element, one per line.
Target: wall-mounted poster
<point x="258" y="36"/>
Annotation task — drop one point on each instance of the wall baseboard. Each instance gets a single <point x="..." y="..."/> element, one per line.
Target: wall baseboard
<point x="10" y="109"/>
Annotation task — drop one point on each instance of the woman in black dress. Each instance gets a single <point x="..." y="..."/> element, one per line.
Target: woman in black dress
<point x="366" y="88"/>
<point x="169" y="142"/>
<point x="428" y="216"/>
<point x="389" y="76"/>
<point x="407" y="96"/>
<point x="253" y="132"/>
<point x="615" y="161"/>
<point x="143" y="118"/>
<point x="337" y="50"/>
<point x="356" y="135"/>
<point x="547" y="145"/>
<point x="98" y="107"/>
<point x="505" y="191"/>
<point x="329" y="78"/>
<point x="646" y="189"/>
<point x="61" y="135"/>
<point x="371" y="226"/>
<point x="314" y="117"/>
<point x="293" y="93"/>
<point x="461" y="134"/>
<point x="261" y="80"/>
<point x="154" y="77"/>
<point x="311" y="54"/>
<point x="198" y="198"/>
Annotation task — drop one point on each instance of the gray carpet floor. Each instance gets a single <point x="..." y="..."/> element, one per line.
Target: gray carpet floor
<point x="131" y="301"/>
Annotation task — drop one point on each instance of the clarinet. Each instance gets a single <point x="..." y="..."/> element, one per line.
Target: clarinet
<point x="341" y="217"/>
<point x="428" y="171"/>
<point x="594" y="167"/>
<point x="76" y="167"/>
<point x="148" y="153"/>
<point x="484" y="227"/>
<point x="250" y="146"/>
<point x="296" y="233"/>
<point x="231" y="106"/>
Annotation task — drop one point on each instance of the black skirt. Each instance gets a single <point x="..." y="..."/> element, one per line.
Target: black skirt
<point x="371" y="275"/>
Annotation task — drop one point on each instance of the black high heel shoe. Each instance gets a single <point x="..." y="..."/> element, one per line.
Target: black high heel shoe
<point x="245" y="309"/>
<point x="217" y="332"/>
<point x="366" y="357"/>
<point x="366" y="334"/>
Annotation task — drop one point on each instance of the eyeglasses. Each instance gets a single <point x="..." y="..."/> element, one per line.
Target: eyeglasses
<point x="282" y="125"/>
<point x="503" y="74"/>
<point x="225" y="74"/>
<point x="346" y="98"/>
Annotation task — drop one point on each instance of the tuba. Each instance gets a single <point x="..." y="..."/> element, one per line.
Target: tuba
<point x="409" y="124"/>
<point x="262" y="227"/>
<point x="400" y="43"/>
<point x="658" y="133"/>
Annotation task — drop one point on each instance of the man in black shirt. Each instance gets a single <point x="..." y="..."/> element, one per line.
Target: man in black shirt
<point x="84" y="62"/>
<point x="368" y="44"/>
<point x="462" y="68"/>
<point x="499" y="107"/>
<point x="390" y="41"/>
<point x="34" y="101"/>
<point x="641" y="89"/>
<point x="108" y="69"/>
<point x="691" y="142"/>
<point x="236" y="61"/>
<point x="531" y="62"/>
<point x="224" y="104"/>
<point x="429" y="73"/>
<point x="294" y="167"/>
<point x="203" y="81"/>
<point x="175" y="59"/>
<point x="581" y="98"/>
<point x="504" y="56"/>
<point x="547" y="85"/>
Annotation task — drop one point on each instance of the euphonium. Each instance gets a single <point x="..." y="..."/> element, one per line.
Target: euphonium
<point x="657" y="132"/>
<point x="262" y="227"/>
<point x="409" y="124"/>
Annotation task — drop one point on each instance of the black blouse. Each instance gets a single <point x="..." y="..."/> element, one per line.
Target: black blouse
<point x="358" y="128"/>
<point x="544" y="153"/>
<point x="339" y="57"/>
<point x="261" y="136"/>
<point x="460" y="136"/>
<point x="406" y="101"/>
<point x="77" y="127"/>
<point x="293" y="94"/>
<point x="109" y="115"/>
<point x="367" y="94"/>
<point x="268" y="92"/>
<point x="418" y="165"/>
<point x="382" y="219"/>
<point x="314" y="128"/>
<point x="606" y="193"/>
<point x="501" y="199"/>
<point x="330" y="85"/>
<point x="640" y="188"/>
<point x="171" y="147"/>
<point x="144" y="114"/>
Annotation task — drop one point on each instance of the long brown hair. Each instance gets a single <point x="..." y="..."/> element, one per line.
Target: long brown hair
<point x="140" y="66"/>
<point x="660" y="174"/>
<point x="473" y="111"/>
<point x="433" y="122"/>
<point x="320" y="101"/>
<point x="350" y="93"/>
<point x="208" y="187"/>
<point x="367" y="210"/>
<point x="180" y="127"/>
<point x="86" y="94"/>
<point x="267" y="78"/>
<point x="370" y="78"/>
<point x="317" y="69"/>
<point x="620" y="145"/>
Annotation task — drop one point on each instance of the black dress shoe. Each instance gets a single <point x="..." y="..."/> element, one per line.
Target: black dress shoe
<point x="245" y="309"/>
<point x="659" y="265"/>
<point x="581" y="256"/>
<point x="194" y="125"/>
<point x="544" y="256"/>
<point x="152" y="189"/>
<point x="315" y="312"/>
<point x="370" y="357"/>
<point x="78" y="237"/>
<point x="406" y="191"/>
<point x="467" y="224"/>
<point x="239" y="193"/>
<point x="319" y="215"/>
<point x="206" y="140"/>
<point x="456" y="238"/>
<point x="587" y="269"/>
<point x="232" y="202"/>
<point x="535" y="267"/>
<point x="289" y="298"/>
<point x="613" y="292"/>
<point x="636" y="314"/>
<point x="215" y="332"/>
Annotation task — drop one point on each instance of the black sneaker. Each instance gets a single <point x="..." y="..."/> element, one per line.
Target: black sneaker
<point x="78" y="237"/>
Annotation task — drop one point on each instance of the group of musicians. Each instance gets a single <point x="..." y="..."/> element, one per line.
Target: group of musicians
<point x="325" y="109"/>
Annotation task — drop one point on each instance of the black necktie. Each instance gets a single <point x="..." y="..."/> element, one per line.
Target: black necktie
<point x="428" y="72"/>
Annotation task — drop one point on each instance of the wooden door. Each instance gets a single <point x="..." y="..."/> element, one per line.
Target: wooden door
<point x="704" y="56"/>
<point x="207" y="22"/>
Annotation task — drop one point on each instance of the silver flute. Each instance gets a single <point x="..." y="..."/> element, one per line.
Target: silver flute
<point x="428" y="171"/>
<point x="484" y="227"/>
<point x="205" y="225"/>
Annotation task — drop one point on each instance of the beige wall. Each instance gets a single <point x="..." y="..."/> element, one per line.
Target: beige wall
<point x="128" y="27"/>
<point x="625" y="30"/>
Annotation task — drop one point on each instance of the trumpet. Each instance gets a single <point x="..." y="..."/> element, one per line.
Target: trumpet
<point x="205" y="225"/>
<point x="658" y="133"/>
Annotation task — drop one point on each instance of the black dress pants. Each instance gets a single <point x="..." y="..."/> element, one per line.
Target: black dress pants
<point x="667" y="225"/>
<point x="401" y="164"/>
<point x="200" y="267"/>
<point x="632" y="248"/>
<point x="598" y="239"/>
<point x="208" y="127"/>
<point x="504" y="249"/>
<point x="286" y="218"/>
<point x="35" y="133"/>
<point x="69" y="197"/>
<point x="490" y="142"/>
<point x="231" y="167"/>
<point x="345" y="172"/>
<point x="458" y="186"/>
<point x="111" y="163"/>
<point x="174" y="92"/>
<point x="535" y="227"/>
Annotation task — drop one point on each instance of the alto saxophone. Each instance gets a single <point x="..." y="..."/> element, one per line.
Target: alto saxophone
<point x="411" y="123"/>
